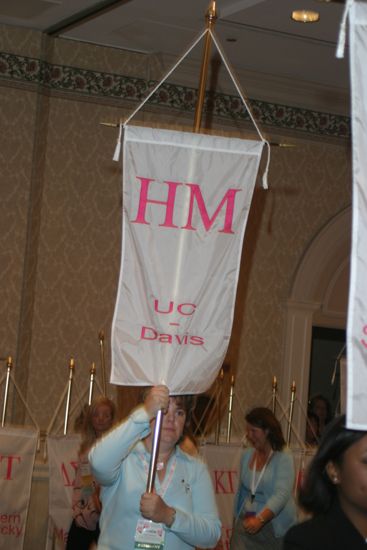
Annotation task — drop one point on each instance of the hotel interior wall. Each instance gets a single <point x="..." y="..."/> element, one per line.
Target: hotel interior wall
<point x="60" y="218"/>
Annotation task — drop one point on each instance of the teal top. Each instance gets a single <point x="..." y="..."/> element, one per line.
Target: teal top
<point x="275" y="490"/>
<point x="119" y="463"/>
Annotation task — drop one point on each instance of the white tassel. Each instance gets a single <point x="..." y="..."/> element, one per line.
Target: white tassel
<point x="117" y="152"/>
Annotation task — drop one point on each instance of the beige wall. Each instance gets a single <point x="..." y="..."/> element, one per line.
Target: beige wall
<point x="60" y="214"/>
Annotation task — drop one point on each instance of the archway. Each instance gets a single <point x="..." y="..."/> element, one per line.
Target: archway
<point x="319" y="296"/>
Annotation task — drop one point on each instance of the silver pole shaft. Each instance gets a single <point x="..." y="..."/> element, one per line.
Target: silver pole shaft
<point x="154" y="453"/>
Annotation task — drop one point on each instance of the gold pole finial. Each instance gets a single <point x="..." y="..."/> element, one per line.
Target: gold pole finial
<point x="211" y="17"/>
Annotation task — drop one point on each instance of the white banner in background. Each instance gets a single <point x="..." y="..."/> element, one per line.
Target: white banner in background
<point x="223" y="463"/>
<point x="17" y="453"/>
<point x="186" y="199"/>
<point x="62" y="461"/>
<point x="357" y="313"/>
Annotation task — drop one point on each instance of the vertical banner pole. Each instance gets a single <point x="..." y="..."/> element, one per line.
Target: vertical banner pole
<point x="9" y="364"/>
<point x="219" y="406"/>
<point x="230" y="405"/>
<point x="293" y="396"/>
<point x="211" y="17"/>
<point x="155" y="449"/>
<point x="274" y="394"/>
<point x="103" y="368"/>
<point x="91" y="383"/>
<point x="70" y="383"/>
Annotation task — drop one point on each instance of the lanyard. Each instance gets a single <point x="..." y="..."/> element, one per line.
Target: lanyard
<point x="255" y="482"/>
<point x="167" y="479"/>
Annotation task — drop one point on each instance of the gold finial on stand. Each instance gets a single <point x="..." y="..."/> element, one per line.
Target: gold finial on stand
<point x="70" y="383"/>
<point x="211" y="17"/>
<point x="9" y="364"/>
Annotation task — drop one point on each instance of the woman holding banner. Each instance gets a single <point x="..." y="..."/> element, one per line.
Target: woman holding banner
<point x="181" y="513"/>
<point x="335" y="492"/>
<point x="84" y="530"/>
<point x="264" y="504"/>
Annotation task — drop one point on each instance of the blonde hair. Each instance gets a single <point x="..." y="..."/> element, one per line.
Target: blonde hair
<point x="89" y="436"/>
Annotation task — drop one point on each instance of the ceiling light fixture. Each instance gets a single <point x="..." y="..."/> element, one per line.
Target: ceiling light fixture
<point x="305" y="16"/>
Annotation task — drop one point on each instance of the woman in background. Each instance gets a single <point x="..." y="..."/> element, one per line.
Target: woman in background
<point x="335" y="492"/>
<point x="320" y="406"/>
<point x="264" y="504"/>
<point x="84" y="530"/>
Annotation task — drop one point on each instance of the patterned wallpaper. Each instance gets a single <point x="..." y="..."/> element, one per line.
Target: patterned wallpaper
<point x="61" y="206"/>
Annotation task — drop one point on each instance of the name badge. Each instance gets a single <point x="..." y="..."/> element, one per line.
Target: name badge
<point x="149" y="535"/>
<point x="250" y="508"/>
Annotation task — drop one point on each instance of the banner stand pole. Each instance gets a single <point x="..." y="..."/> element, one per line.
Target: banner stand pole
<point x="274" y="394"/>
<point x="103" y="366"/>
<point x="293" y="396"/>
<point x="9" y="364"/>
<point x="230" y="405"/>
<point x="154" y="451"/>
<point x="91" y="383"/>
<point x="70" y="382"/>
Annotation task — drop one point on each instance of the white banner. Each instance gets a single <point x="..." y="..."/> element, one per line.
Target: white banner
<point x="357" y="313"/>
<point x="17" y="453"/>
<point x="62" y="462"/>
<point x="223" y="463"/>
<point x="186" y="199"/>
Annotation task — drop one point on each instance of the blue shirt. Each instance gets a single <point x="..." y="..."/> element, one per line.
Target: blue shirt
<point x="119" y="463"/>
<point x="275" y="490"/>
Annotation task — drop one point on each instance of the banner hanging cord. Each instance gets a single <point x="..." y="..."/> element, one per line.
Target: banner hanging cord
<point x="122" y="125"/>
<point x="245" y="102"/>
<point x="116" y="155"/>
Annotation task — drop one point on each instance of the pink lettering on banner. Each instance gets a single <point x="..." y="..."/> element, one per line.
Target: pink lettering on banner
<point x="69" y="476"/>
<point x="227" y="202"/>
<point x="183" y="309"/>
<point x="225" y="539"/>
<point x="61" y="535"/>
<point x="225" y="481"/>
<point x="10" y="525"/>
<point x="149" y="333"/>
<point x="363" y="341"/>
<point x="8" y="461"/>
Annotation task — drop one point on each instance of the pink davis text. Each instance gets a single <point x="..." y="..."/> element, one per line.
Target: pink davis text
<point x="197" y="210"/>
<point x="364" y="340"/>
<point x="149" y="333"/>
<point x="10" y="525"/>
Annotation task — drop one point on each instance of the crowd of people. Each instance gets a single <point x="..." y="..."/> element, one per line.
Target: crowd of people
<point x="113" y="508"/>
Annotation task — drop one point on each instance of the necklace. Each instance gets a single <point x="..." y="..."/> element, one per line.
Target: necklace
<point x="160" y="466"/>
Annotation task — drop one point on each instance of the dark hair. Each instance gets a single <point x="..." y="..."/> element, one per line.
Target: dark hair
<point x="318" y="492"/>
<point x="320" y="397"/>
<point x="264" y="418"/>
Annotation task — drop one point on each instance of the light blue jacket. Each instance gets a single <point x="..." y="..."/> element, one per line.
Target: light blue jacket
<point x="275" y="490"/>
<point x="119" y="464"/>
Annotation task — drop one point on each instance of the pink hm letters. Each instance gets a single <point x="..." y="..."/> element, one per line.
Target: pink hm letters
<point x="195" y="196"/>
